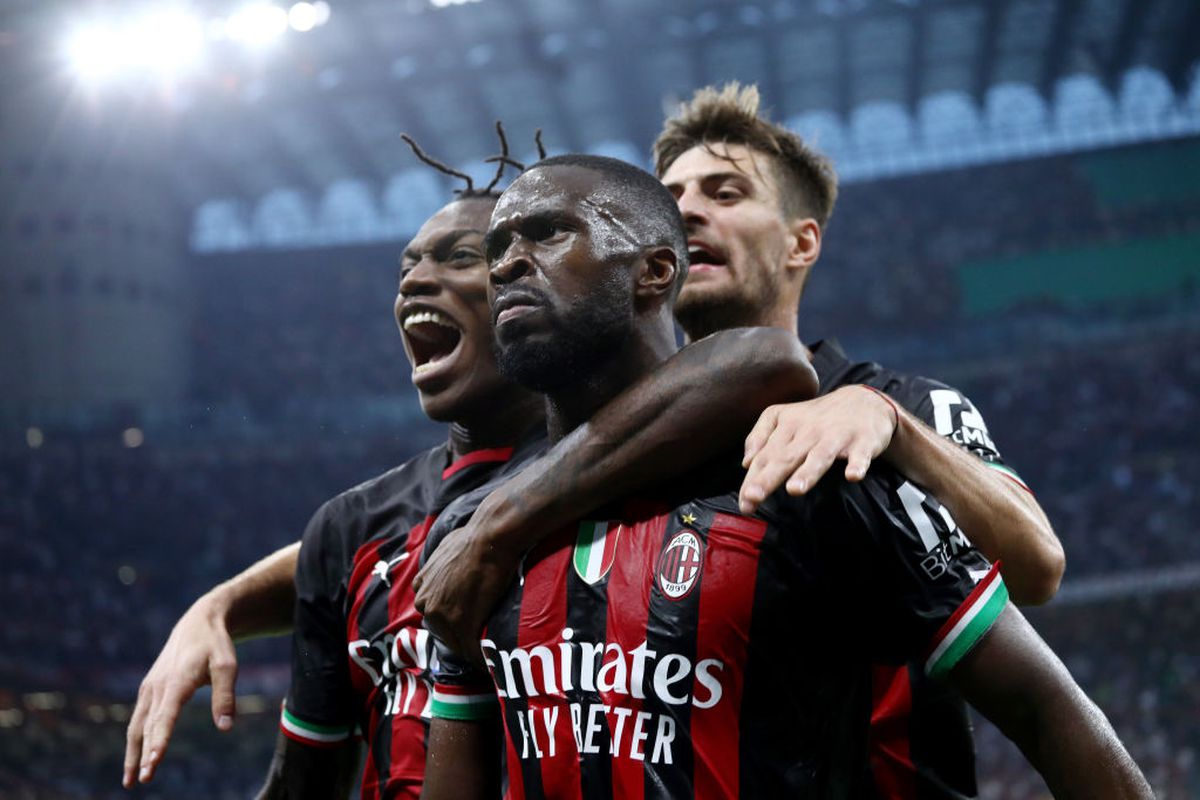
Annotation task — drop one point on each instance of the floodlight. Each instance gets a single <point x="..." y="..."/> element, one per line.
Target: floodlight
<point x="96" y="53"/>
<point x="303" y="17"/>
<point x="257" y="24"/>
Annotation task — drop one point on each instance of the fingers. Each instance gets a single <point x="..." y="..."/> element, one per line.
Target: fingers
<point x="160" y="724"/>
<point x="858" y="460"/>
<point x="761" y="432"/>
<point x="133" y="738"/>
<point x="815" y="466"/>
<point x="223" y="669"/>
<point x="769" y="468"/>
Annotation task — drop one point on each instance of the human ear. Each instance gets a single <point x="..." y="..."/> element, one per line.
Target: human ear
<point x="804" y="244"/>
<point x="656" y="275"/>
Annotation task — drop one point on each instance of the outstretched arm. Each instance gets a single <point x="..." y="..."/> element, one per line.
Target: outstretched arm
<point x="795" y="444"/>
<point x="257" y="602"/>
<point x="698" y="404"/>
<point x="299" y="772"/>
<point x="1017" y="682"/>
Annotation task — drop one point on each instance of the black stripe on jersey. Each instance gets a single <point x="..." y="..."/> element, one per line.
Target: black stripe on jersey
<point x="810" y="674"/>
<point x="669" y="781"/>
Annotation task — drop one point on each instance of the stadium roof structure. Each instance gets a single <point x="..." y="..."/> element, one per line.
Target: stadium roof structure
<point x="299" y="145"/>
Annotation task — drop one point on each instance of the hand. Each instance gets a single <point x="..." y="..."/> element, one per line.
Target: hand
<point x="798" y="442"/>
<point x="463" y="581"/>
<point x="198" y="651"/>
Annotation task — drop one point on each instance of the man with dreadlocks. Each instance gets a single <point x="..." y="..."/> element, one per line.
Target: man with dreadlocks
<point x="353" y="576"/>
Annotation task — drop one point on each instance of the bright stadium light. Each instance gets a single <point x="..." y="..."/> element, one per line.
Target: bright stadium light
<point x="169" y="42"/>
<point x="302" y="17"/>
<point x="96" y="54"/>
<point x="257" y="24"/>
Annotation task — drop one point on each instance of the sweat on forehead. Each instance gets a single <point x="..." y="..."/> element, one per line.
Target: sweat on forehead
<point x="624" y="196"/>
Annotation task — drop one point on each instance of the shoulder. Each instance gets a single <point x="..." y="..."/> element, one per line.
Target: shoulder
<point x="411" y="485"/>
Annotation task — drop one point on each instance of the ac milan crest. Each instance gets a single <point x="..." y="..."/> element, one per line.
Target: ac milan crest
<point x="679" y="564"/>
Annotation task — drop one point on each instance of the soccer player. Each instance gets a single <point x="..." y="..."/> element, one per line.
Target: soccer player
<point x="360" y="655"/>
<point x="755" y="201"/>
<point x="672" y="646"/>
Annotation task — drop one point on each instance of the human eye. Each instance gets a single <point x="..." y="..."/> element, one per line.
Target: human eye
<point x="728" y="192"/>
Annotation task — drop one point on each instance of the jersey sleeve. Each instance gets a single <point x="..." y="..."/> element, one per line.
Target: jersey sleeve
<point x="920" y="587"/>
<point x="952" y="414"/>
<point x="461" y="691"/>
<point x="319" y="708"/>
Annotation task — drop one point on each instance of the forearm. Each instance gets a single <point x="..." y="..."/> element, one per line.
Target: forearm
<point x="463" y="761"/>
<point x="701" y="402"/>
<point x="298" y="772"/>
<point x="260" y="600"/>
<point x="1000" y="517"/>
<point x="1018" y="683"/>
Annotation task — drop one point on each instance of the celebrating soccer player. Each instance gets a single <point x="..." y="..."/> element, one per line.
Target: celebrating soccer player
<point x="672" y="646"/>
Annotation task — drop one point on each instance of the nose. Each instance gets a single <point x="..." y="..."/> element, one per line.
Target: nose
<point x="693" y="206"/>
<point x="512" y="265"/>
<point x="420" y="279"/>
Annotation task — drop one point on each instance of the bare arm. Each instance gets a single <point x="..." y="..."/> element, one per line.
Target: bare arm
<point x="1001" y="516"/>
<point x="1018" y="683"/>
<point x="463" y="760"/>
<point x="698" y="404"/>
<point x="300" y="772"/>
<point x="795" y="444"/>
<point x="257" y="602"/>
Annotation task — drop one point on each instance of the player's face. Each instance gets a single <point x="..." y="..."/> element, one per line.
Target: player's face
<point x="443" y="314"/>
<point x="560" y="285"/>
<point x="737" y="233"/>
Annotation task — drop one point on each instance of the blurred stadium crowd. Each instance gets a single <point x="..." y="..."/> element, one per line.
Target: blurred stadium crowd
<point x="300" y="391"/>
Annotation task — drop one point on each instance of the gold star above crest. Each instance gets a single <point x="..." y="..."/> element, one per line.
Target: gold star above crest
<point x="688" y="519"/>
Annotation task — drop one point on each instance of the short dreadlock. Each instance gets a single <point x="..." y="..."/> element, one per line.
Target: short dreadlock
<point x="502" y="160"/>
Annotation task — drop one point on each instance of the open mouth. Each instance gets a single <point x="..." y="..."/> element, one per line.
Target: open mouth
<point x="432" y="338"/>
<point x="701" y="257"/>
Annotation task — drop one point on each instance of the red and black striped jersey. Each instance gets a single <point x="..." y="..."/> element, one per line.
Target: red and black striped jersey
<point x="922" y="746"/>
<point x="360" y="654"/>
<point x="676" y="648"/>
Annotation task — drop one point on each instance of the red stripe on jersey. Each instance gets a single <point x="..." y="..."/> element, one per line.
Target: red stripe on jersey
<point x="543" y="620"/>
<point x="364" y="562"/>
<point x="407" y="769"/>
<point x="890" y="744"/>
<point x="723" y="633"/>
<point x="477" y="457"/>
<point x="633" y="574"/>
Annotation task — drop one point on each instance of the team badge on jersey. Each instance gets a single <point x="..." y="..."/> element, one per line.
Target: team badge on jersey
<point x="679" y="564"/>
<point x="595" y="549"/>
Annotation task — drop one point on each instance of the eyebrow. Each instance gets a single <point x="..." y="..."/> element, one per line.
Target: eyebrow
<point x="713" y="176"/>
<point x="443" y="241"/>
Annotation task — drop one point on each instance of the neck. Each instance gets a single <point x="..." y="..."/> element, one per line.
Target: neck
<point x="505" y="420"/>
<point x="571" y="406"/>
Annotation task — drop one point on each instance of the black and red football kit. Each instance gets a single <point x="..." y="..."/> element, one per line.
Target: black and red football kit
<point x="360" y="654"/>
<point x="922" y="746"/>
<point x="675" y="648"/>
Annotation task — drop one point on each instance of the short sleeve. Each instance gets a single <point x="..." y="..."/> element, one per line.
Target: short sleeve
<point x="926" y="593"/>
<point x="319" y="709"/>
<point x="952" y="414"/>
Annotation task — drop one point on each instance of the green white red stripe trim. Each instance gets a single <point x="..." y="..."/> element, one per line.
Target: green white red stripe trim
<point x="306" y="732"/>
<point x="595" y="548"/>
<point x="461" y="703"/>
<point x="968" y="624"/>
<point x="1010" y="473"/>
